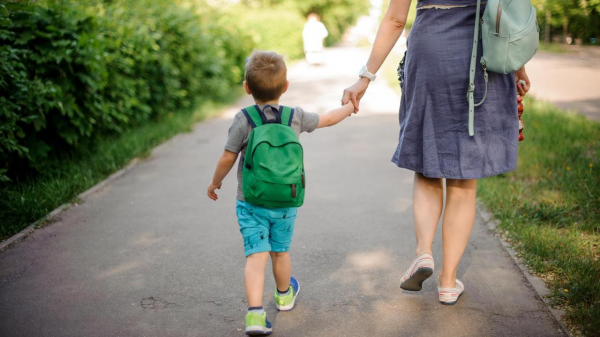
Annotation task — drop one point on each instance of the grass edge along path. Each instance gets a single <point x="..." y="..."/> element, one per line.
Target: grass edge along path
<point x="549" y="209"/>
<point x="25" y="202"/>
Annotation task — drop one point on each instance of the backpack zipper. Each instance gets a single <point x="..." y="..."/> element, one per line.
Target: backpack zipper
<point x="293" y="190"/>
<point x="264" y="141"/>
<point x="498" y="16"/>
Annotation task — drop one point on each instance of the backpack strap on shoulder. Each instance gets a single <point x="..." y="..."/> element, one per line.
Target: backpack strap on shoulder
<point x="287" y="114"/>
<point x="255" y="116"/>
<point x="471" y="89"/>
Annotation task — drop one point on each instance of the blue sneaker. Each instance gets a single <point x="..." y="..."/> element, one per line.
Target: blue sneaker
<point x="287" y="302"/>
<point x="257" y="324"/>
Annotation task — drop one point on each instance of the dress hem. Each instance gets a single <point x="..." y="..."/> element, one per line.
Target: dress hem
<point x="451" y="177"/>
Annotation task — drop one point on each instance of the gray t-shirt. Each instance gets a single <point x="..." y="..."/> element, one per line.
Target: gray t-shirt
<point x="240" y="129"/>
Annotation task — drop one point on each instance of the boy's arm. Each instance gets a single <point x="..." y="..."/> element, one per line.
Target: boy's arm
<point x="335" y="116"/>
<point x="224" y="165"/>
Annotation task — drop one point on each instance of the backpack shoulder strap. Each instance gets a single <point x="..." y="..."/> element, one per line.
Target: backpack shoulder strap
<point x="287" y="114"/>
<point x="254" y="115"/>
<point x="471" y="89"/>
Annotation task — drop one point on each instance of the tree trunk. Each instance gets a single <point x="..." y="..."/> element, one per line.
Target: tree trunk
<point x="547" y="26"/>
<point x="565" y="28"/>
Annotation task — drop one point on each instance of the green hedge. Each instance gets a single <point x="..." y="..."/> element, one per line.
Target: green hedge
<point x="276" y="28"/>
<point x="73" y="72"/>
<point x="287" y="17"/>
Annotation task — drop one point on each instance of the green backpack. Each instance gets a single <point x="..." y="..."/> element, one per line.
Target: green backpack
<point x="273" y="173"/>
<point x="510" y="37"/>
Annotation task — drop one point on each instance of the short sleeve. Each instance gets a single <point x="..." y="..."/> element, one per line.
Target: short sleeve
<point x="238" y="132"/>
<point x="308" y="120"/>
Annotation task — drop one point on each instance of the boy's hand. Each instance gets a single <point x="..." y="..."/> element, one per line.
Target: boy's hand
<point x="336" y="115"/>
<point x="211" y="191"/>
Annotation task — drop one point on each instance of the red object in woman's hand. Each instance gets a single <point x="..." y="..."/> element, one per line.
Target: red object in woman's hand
<point x="520" y="109"/>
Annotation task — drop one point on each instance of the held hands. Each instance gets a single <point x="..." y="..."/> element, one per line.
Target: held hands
<point x="355" y="92"/>
<point x="211" y="191"/>
<point x="521" y="74"/>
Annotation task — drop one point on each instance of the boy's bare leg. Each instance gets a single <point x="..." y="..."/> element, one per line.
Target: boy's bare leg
<point x="428" y="199"/>
<point x="254" y="278"/>
<point x="456" y="226"/>
<point x="282" y="269"/>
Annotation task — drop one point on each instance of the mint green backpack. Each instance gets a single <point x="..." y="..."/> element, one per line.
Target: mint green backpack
<point x="510" y="36"/>
<point x="273" y="173"/>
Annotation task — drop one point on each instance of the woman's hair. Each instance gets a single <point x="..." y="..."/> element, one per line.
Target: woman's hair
<point x="266" y="75"/>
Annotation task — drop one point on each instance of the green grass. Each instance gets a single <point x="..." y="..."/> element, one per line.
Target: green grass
<point x="550" y="208"/>
<point x="389" y="68"/>
<point x="24" y="202"/>
<point x="553" y="47"/>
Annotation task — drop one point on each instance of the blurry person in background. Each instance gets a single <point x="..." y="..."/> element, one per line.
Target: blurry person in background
<point x="314" y="33"/>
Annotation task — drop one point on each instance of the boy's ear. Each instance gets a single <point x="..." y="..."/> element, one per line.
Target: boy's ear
<point x="247" y="88"/>
<point x="287" y="84"/>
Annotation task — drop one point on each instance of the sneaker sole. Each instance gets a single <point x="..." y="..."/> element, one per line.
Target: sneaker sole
<point x="291" y="305"/>
<point x="451" y="303"/>
<point x="415" y="282"/>
<point x="258" y="331"/>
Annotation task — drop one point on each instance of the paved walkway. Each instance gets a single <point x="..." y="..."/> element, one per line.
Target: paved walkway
<point x="151" y="255"/>
<point x="569" y="80"/>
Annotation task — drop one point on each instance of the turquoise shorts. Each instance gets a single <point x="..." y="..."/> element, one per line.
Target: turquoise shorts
<point x="264" y="229"/>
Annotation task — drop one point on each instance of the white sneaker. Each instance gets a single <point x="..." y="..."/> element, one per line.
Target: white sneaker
<point x="449" y="296"/>
<point x="420" y="270"/>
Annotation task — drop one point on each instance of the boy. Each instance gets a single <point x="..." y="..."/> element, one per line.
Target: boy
<point x="266" y="231"/>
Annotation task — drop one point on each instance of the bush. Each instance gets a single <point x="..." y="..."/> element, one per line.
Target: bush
<point x="275" y="28"/>
<point x="337" y="15"/>
<point x="71" y="73"/>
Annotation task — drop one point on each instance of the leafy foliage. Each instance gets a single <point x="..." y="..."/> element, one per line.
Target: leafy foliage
<point x="74" y="71"/>
<point x="579" y="18"/>
<point x="71" y="73"/>
<point x="277" y="28"/>
<point x="337" y="15"/>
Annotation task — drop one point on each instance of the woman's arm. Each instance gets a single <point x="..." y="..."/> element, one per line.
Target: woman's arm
<point x="389" y="31"/>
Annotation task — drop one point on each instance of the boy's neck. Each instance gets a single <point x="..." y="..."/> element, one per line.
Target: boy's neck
<point x="273" y="102"/>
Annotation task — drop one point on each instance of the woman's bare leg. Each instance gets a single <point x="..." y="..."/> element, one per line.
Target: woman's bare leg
<point x="428" y="199"/>
<point x="457" y="224"/>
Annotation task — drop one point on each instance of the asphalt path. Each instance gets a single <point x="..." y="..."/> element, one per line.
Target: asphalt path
<point x="150" y="255"/>
<point x="569" y="80"/>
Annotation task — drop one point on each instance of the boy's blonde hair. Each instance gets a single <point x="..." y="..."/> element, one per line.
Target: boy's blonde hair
<point x="266" y="75"/>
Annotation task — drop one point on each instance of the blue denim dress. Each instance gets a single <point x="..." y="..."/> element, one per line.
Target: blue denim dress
<point x="434" y="138"/>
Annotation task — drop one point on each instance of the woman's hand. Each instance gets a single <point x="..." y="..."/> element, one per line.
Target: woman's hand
<point x="355" y="92"/>
<point x="521" y="74"/>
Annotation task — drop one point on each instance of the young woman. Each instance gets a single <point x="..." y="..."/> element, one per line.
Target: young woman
<point x="434" y="140"/>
